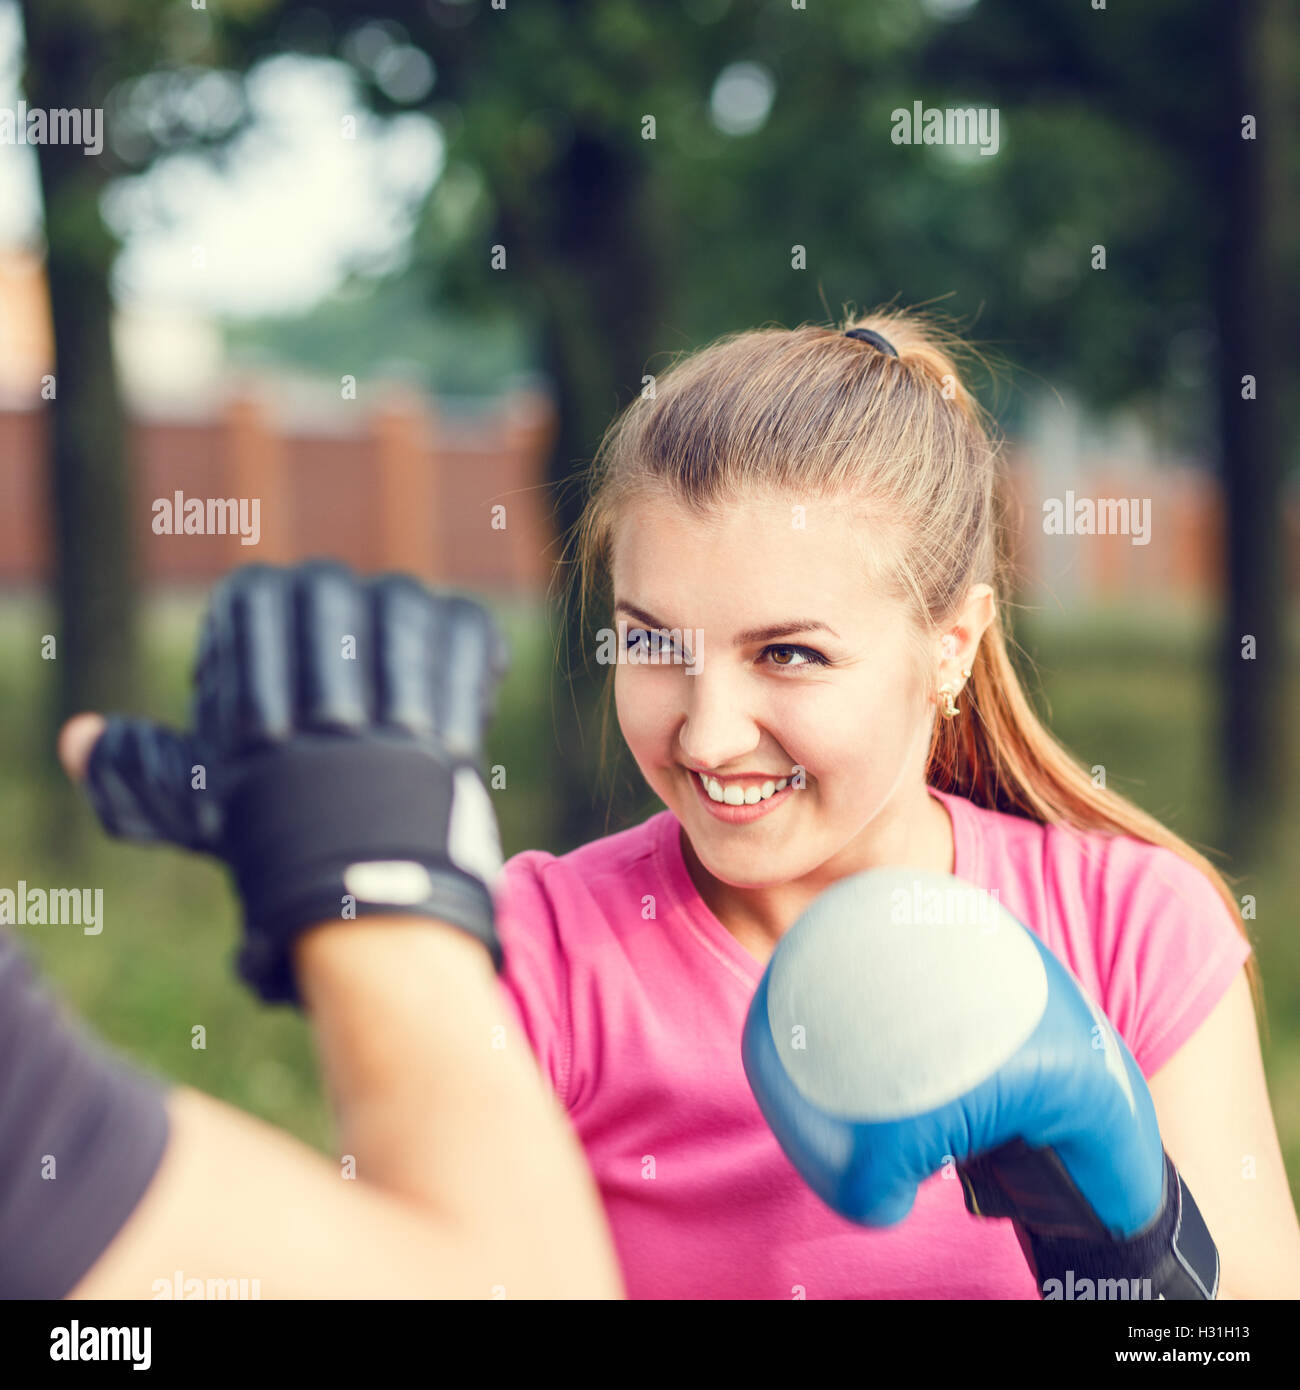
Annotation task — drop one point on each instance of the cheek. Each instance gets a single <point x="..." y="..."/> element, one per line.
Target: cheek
<point x="857" y="742"/>
<point x="644" y="709"/>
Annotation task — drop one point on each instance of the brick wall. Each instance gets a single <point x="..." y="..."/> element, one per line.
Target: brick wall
<point x="403" y="488"/>
<point x="403" y="484"/>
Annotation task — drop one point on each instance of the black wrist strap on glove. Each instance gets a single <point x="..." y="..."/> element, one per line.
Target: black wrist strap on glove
<point x="1064" y="1241"/>
<point x="334" y="827"/>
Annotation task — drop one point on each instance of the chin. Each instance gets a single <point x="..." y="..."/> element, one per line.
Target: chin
<point x="743" y="870"/>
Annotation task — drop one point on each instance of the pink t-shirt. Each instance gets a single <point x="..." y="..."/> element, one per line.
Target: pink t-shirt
<point x="633" y="996"/>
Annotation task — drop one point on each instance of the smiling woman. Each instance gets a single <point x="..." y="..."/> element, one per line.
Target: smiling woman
<point x="850" y="476"/>
<point x="761" y="710"/>
<point x="852" y="481"/>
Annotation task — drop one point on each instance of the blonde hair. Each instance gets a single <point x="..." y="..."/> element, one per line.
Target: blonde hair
<point x="810" y="412"/>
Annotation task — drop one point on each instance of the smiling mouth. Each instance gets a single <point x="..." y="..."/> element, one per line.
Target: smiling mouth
<point x="736" y="794"/>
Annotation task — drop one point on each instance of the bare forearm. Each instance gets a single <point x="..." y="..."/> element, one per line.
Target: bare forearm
<point x="439" y="1100"/>
<point x="239" y="1209"/>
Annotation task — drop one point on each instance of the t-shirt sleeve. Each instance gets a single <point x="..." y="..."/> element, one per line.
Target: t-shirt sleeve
<point x="81" y="1136"/>
<point x="1173" y="949"/>
<point x="533" y="982"/>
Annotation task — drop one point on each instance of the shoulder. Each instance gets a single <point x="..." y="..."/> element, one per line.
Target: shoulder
<point x="1134" y="889"/>
<point x="593" y="863"/>
<point x="560" y="919"/>
<point x="1120" y="879"/>
<point x="1165" y="941"/>
<point x="570" y="891"/>
<point x="1144" y="929"/>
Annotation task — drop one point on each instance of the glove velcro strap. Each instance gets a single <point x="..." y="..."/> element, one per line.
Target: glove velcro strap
<point x="323" y="829"/>
<point x="1174" y="1257"/>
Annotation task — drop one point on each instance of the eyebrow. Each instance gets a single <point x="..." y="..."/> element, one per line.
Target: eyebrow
<point x="792" y="628"/>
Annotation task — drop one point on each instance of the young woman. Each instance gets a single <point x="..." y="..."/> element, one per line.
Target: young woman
<point x="799" y="538"/>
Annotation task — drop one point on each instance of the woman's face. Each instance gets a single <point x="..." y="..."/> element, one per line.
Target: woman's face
<point x="757" y="598"/>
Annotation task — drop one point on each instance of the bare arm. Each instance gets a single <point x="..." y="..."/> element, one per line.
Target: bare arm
<point x="235" y="1198"/>
<point x="439" y="1098"/>
<point x="1212" y="1103"/>
<point x="468" y="1181"/>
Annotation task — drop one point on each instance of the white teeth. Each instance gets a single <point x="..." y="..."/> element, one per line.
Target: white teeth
<point x="734" y="795"/>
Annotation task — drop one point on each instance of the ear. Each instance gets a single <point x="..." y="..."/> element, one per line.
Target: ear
<point x="958" y="645"/>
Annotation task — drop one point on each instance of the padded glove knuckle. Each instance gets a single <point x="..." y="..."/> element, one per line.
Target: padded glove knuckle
<point x="332" y="639"/>
<point x="244" y="680"/>
<point x="404" y="616"/>
<point x="467" y="659"/>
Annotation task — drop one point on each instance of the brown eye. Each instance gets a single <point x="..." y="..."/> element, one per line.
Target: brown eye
<point x="807" y="657"/>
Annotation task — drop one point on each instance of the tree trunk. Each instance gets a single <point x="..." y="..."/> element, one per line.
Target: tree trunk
<point x="1247" y="305"/>
<point x="601" y="309"/>
<point x="88" y="478"/>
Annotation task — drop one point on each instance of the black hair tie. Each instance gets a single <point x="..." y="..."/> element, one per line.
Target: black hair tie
<point x="869" y="335"/>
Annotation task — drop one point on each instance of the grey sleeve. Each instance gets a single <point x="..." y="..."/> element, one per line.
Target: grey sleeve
<point x="81" y="1136"/>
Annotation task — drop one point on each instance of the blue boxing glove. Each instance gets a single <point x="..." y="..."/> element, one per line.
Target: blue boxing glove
<point x="907" y="1020"/>
<point x="331" y="760"/>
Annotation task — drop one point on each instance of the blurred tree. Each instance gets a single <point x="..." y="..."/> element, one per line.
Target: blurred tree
<point x="771" y="131"/>
<point x="648" y="173"/>
<point x="67" y="44"/>
<point x="1246" y="180"/>
<point x="543" y="109"/>
<point x="78" y="53"/>
<point x="1201" y="231"/>
<point x="580" y="143"/>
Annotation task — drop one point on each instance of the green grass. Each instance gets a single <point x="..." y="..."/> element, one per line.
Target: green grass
<point x="1128" y="691"/>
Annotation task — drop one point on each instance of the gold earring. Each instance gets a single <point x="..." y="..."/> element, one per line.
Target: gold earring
<point x="948" y="690"/>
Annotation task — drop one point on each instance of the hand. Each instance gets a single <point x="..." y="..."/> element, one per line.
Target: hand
<point x="332" y="759"/>
<point x="952" y="1034"/>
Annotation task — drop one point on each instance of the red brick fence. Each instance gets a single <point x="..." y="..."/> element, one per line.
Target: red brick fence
<point x="409" y="483"/>
<point x="459" y="501"/>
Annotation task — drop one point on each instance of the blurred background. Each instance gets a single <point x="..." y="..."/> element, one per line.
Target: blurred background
<point x="391" y="269"/>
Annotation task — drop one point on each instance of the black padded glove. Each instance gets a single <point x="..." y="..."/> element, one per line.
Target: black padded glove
<point x="332" y="761"/>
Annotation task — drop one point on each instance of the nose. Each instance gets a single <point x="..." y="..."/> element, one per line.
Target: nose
<point x="719" y="729"/>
